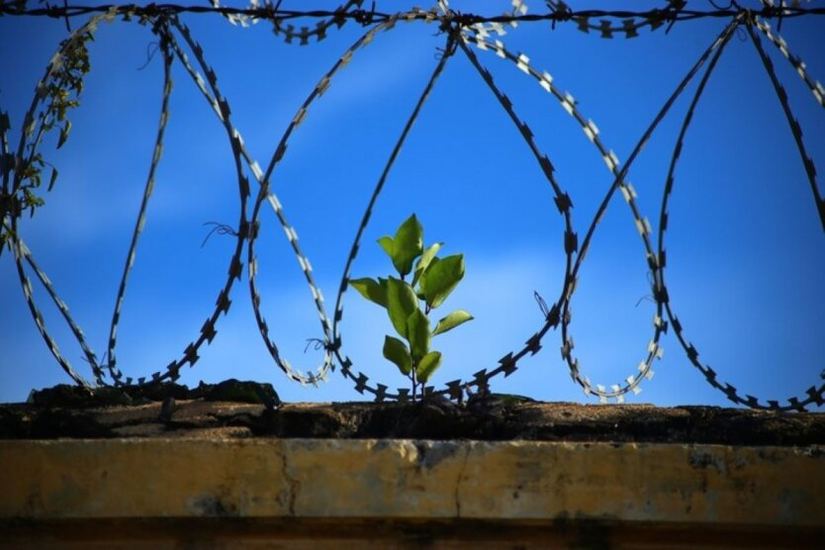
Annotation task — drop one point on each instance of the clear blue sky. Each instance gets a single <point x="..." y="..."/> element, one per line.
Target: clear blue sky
<point x="745" y="245"/>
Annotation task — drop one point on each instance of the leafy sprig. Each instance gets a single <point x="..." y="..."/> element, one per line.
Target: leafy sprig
<point x="57" y="94"/>
<point x="409" y="304"/>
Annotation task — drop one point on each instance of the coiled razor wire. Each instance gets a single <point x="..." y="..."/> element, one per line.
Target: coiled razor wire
<point x="814" y="395"/>
<point x="291" y="235"/>
<point x="21" y="251"/>
<point x="208" y="331"/>
<point x="461" y="32"/>
<point x="141" y="220"/>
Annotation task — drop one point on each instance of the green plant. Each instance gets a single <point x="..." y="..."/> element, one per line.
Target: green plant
<point x="409" y="304"/>
<point x="55" y="96"/>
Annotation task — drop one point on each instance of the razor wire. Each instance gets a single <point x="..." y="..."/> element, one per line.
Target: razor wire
<point x="484" y="34"/>
<point x="607" y="28"/>
<point x="21" y="251"/>
<point x="814" y="395"/>
<point x="141" y="220"/>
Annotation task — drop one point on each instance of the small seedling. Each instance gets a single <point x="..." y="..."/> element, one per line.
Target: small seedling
<point x="409" y="304"/>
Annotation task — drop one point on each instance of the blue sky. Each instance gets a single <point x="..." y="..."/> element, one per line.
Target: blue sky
<point x="745" y="244"/>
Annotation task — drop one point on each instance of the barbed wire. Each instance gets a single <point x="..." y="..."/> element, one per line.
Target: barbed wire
<point x="558" y="12"/>
<point x="464" y="34"/>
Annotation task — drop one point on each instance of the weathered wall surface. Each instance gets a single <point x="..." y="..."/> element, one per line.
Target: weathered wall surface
<point x="213" y="489"/>
<point x="161" y="478"/>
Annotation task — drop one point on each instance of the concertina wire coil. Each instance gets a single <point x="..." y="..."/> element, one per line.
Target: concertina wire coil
<point x="463" y="36"/>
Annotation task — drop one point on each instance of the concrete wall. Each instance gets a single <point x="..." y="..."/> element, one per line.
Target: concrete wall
<point x="357" y="493"/>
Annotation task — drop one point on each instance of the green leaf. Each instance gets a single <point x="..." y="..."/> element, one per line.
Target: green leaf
<point x="425" y="259"/>
<point x="387" y="244"/>
<point x="427" y="366"/>
<point x="407" y="245"/>
<point x="401" y="302"/>
<point x="441" y="278"/>
<point x="418" y="334"/>
<point x="64" y="133"/>
<point x="396" y="351"/>
<point x="371" y="290"/>
<point x="53" y="178"/>
<point x="422" y="278"/>
<point x="451" y="321"/>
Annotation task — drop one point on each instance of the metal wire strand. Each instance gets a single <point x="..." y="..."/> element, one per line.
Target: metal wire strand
<point x="814" y="395"/>
<point x="266" y="194"/>
<point x="20" y="249"/>
<point x="147" y="194"/>
<point x="643" y="227"/>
